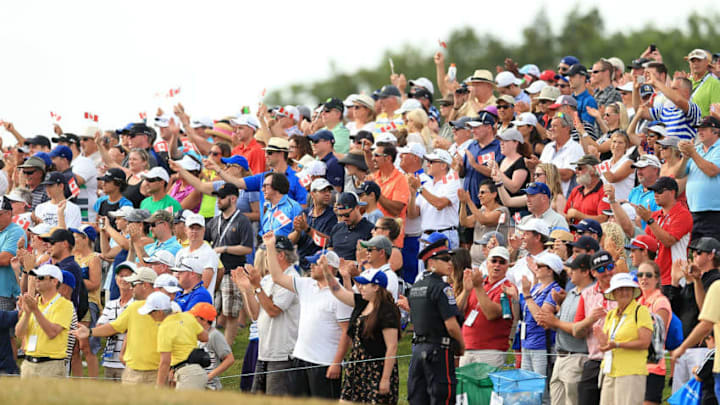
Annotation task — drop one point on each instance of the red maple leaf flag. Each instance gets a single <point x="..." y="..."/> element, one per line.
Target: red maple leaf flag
<point x="305" y="180"/>
<point x="173" y="92"/>
<point x="143" y="115"/>
<point x="442" y="43"/>
<point x="517" y="218"/>
<point x="486" y="158"/>
<point x="91" y="117"/>
<point x="161" y="146"/>
<point x="74" y="189"/>
<point x="450" y="177"/>
<point x="55" y="117"/>
<point x="604" y="166"/>
<point x="319" y="239"/>
<point x="281" y="218"/>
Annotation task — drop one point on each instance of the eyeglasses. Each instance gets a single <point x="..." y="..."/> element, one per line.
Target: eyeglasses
<point x="603" y="269"/>
<point x="372" y="249"/>
<point x="504" y="106"/>
<point x="216" y="153"/>
<point x="645" y="275"/>
<point x="444" y="258"/>
<point x="497" y="260"/>
<point x="562" y="69"/>
<point x="539" y="174"/>
<point x="543" y="101"/>
<point x="266" y="185"/>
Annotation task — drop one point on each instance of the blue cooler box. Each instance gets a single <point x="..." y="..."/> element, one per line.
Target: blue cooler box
<point x="517" y="387"/>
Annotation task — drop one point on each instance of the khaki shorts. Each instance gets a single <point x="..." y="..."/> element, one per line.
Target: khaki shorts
<point x="114" y="374"/>
<point x="190" y="377"/>
<point x="52" y="369"/>
<point x="132" y="377"/>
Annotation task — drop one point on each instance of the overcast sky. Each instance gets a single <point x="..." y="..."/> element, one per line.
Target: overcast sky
<point x="111" y="58"/>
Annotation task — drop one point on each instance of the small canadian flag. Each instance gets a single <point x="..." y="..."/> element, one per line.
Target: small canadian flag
<point x="442" y="43"/>
<point x="55" y="116"/>
<point x="90" y="116"/>
<point x="173" y="92"/>
<point x="169" y="209"/>
<point x="389" y="127"/>
<point x="187" y="145"/>
<point x="604" y="166"/>
<point x="305" y="180"/>
<point x="281" y="218"/>
<point x="74" y="189"/>
<point x="450" y="177"/>
<point x="486" y="158"/>
<point x="319" y="239"/>
<point x="161" y="146"/>
<point x="22" y="220"/>
<point x="143" y="115"/>
<point x="517" y="218"/>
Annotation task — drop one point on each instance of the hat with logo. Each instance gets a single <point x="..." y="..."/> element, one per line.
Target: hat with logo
<point x="167" y="282"/>
<point x="160" y="215"/>
<point x="577" y="69"/>
<point x="278" y="145"/>
<point x="161" y="256"/>
<point x="320" y="184"/>
<point x="62" y="151"/>
<point x="537" y="187"/>
<point x="587" y="225"/>
<point x="706" y="244"/>
<point x="188" y="264"/>
<point x="378" y="242"/>
<point x="334" y="104"/>
<point x="601" y="259"/>
<point x="440" y="247"/>
<point x="643" y="241"/>
<point x="114" y="174"/>
<point x="439" y="155"/>
<point x="373" y="276"/>
<point x="569" y="60"/>
<point x="157" y="301"/>
<point x="564" y="100"/>
<point x="506" y="79"/>
<point x="163" y="121"/>
<point x="413" y="148"/>
<point x="144" y="274"/>
<point x="48" y="270"/>
<point x="333" y="260"/>
<point x="204" y="310"/>
<point x="485" y="118"/>
<point x="536" y="225"/>
<point x="436" y="237"/>
<point x="481" y="76"/>
<point x="697" y="54"/>
<point x="587" y="243"/>
<point x="647" y="160"/>
<point x="548" y="76"/>
<point x="709" y="122"/>
<point x="663" y="184"/>
<point x="156" y="172"/>
<point x="646" y="90"/>
<point x="370" y="187"/>
<point x="53" y="178"/>
<point x="348" y="200"/>
<point x="389" y="91"/>
<point x="322" y="135"/>
<point x="62" y="235"/>
<point x="460" y="123"/>
<point x="581" y="261"/>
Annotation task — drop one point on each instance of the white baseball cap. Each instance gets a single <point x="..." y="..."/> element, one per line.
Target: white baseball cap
<point x="247" y="120"/>
<point x="203" y="122"/>
<point x="42" y="228"/>
<point x="167" y="282"/>
<point x="349" y="100"/>
<point x="413" y="148"/>
<point x="536" y="87"/>
<point x="122" y="212"/>
<point x="195" y="219"/>
<point x="505" y="79"/>
<point x="156" y="172"/>
<point x="156" y="301"/>
<point x="161" y="256"/>
<point x="499" y="251"/>
<point x="386" y="137"/>
<point x="48" y="270"/>
<point x="526" y="118"/>
<point x="423" y="82"/>
<point x="439" y="155"/>
<point x="189" y="264"/>
<point x="551" y="260"/>
<point x="189" y="164"/>
<point x="409" y="105"/>
<point x="320" y="184"/>
<point x="535" y="225"/>
<point x="163" y="121"/>
<point x="316" y="168"/>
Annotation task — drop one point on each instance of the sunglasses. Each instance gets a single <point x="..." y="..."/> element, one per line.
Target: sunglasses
<point x="29" y="172"/>
<point x="538" y="174"/>
<point x="134" y="283"/>
<point x="153" y="180"/>
<point x="562" y="86"/>
<point x="444" y="258"/>
<point x="504" y="106"/>
<point x="41" y="278"/>
<point x="216" y="153"/>
<point x="603" y="269"/>
<point x="156" y="223"/>
<point x="372" y="249"/>
<point x="497" y="260"/>
<point x="379" y="154"/>
<point x="597" y="71"/>
<point x="345" y="215"/>
<point x="645" y="275"/>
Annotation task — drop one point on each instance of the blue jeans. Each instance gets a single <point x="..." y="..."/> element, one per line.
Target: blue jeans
<point x="716" y="376"/>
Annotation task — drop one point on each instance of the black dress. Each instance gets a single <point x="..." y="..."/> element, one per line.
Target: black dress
<point x="362" y="378"/>
<point x="132" y="193"/>
<point x="518" y="164"/>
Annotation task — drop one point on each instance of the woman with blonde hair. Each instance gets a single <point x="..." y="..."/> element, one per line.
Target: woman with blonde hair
<point x="544" y="173"/>
<point x="617" y="170"/>
<point x="613" y="120"/>
<point x="363" y="108"/>
<point x="614" y="241"/>
<point x="418" y="131"/>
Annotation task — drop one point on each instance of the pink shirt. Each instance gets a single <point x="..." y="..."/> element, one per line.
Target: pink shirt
<point x="179" y="193"/>
<point x="655" y="302"/>
<point x="591" y="298"/>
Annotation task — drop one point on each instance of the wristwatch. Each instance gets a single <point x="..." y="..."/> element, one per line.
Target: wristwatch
<point x="650" y="221"/>
<point x="257" y="290"/>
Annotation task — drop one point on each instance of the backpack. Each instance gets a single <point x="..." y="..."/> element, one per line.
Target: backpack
<point x="656" y="350"/>
<point x="675" y="334"/>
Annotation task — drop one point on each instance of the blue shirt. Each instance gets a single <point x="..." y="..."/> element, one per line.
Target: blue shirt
<point x="297" y="191"/>
<point x="585" y="99"/>
<point x="69" y="264"/>
<point x="335" y="174"/>
<point x="270" y="223"/>
<point x="171" y="245"/>
<point x="646" y="198"/>
<point x="678" y="122"/>
<point x="702" y="190"/>
<point x="8" y="320"/>
<point x="196" y="295"/>
<point x="534" y="333"/>
<point x="473" y="178"/>
<point x="323" y="224"/>
<point x="8" y="243"/>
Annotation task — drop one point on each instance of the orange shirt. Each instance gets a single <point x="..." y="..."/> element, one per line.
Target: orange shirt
<point x="254" y="154"/>
<point x="394" y="187"/>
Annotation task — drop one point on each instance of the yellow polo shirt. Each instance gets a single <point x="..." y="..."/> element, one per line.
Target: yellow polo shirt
<point x="711" y="313"/>
<point x="626" y="361"/>
<point x="178" y="336"/>
<point x="58" y="311"/>
<point x="141" y="351"/>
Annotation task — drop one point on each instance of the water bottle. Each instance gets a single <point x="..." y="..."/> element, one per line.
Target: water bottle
<point x="505" y="303"/>
<point x="452" y="72"/>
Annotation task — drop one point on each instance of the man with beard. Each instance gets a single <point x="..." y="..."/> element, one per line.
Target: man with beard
<point x="585" y="201"/>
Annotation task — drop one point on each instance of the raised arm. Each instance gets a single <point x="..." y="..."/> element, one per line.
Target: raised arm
<point x="277" y="274"/>
<point x="343" y="295"/>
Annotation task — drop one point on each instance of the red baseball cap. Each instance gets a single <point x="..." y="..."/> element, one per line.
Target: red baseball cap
<point x="644" y="241"/>
<point x="548" y="76"/>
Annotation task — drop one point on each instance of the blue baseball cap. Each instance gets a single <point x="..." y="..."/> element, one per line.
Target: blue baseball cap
<point x="68" y="279"/>
<point x="570" y="60"/>
<point x="537" y="187"/>
<point x="86" y="230"/>
<point x="333" y="259"/>
<point x="588" y="225"/>
<point x="322" y="135"/>
<point x="62" y="151"/>
<point x="436" y="237"/>
<point x="646" y="90"/>
<point x="45" y="157"/>
<point x="376" y="276"/>
<point x="236" y="160"/>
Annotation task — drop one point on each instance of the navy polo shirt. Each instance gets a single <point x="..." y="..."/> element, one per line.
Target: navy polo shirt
<point x="335" y="174"/>
<point x="69" y="264"/>
<point x="323" y="224"/>
<point x="344" y="239"/>
<point x="473" y="178"/>
<point x="196" y="295"/>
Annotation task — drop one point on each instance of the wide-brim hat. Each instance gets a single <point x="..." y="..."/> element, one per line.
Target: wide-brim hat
<point x="354" y="159"/>
<point x="621" y="280"/>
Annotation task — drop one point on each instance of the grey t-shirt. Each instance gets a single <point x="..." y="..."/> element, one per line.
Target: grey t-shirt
<point x="277" y="335"/>
<point x="218" y="349"/>
<point x="565" y="341"/>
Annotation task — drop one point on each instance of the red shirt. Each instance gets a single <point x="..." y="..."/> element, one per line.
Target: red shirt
<point x="484" y="334"/>
<point x="254" y="154"/>
<point x="589" y="204"/>
<point x="678" y="223"/>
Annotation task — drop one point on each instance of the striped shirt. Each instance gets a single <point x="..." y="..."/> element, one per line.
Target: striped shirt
<point x="677" y="122"/>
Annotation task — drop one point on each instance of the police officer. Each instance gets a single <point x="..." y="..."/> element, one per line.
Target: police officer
<point x="438" y="336"/>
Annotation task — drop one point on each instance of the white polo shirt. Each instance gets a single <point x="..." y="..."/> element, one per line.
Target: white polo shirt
<point x="319" y="330"/>
<point x="205" y="255"/>
<point x="563" y="158"/>
<point x="520" y="269"/>
<point x="393" y="285"/>
<point x="447" y="187"/>
<point x="277" y="335"/>
<point x="413" y="226"/>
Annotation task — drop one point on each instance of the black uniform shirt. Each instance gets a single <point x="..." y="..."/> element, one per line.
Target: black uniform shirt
<point x="432" y="302"/>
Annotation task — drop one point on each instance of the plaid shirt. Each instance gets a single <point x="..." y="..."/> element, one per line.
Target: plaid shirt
<point x="608" y="95"/>
<point x="39" y="196"/>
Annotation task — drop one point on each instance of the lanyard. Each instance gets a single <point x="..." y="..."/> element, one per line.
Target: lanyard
<point x="47" y="308"/>
<point x="496" y="285"/>
<point x="616" y="327"/>
<point x="222" y="235"/>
